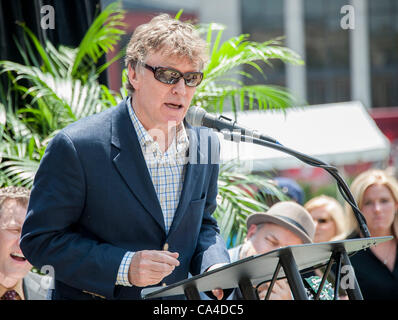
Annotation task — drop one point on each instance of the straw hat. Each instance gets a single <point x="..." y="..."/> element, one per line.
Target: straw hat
<point x="290" y="215"/>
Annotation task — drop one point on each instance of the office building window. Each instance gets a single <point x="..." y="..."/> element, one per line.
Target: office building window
<point x="383" y="42"/>
<point x="327" y="52"/>
<point x="263" y="20"/>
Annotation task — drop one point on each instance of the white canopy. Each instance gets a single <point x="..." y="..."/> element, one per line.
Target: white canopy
<point x="338" y="134"/>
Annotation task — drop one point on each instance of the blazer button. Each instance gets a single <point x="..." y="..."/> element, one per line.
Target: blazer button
<point x="164" y="284"/>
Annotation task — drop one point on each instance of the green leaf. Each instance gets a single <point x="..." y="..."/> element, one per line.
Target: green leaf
<point x="178" y="15"/>
<point x="40" y="49"/>
<point x="102" y="36"/>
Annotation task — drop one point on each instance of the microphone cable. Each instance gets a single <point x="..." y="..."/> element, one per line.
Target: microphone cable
<point x="341" y="184"/>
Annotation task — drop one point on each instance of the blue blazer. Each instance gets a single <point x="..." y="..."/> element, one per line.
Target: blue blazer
<point x="93" y="200"/>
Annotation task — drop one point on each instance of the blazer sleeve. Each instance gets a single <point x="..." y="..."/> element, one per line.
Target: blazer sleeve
<point x="211" y="248"/>
<point x="49" y="235"/>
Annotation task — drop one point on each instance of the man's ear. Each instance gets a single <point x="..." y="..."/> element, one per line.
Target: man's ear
<point x="133" y="76"/>
<point x="251" y="231"/>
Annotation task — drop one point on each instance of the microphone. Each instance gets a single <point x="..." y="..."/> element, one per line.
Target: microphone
<point x="198" y="117"/>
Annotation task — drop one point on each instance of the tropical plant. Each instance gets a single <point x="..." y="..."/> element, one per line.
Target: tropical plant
<point x="57" y="86"/>
<point x="238" y="197"/>
<point x="223" y="77"/>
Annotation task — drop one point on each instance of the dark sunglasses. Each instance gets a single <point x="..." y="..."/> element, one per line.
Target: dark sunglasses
<point x="172" y="76"/>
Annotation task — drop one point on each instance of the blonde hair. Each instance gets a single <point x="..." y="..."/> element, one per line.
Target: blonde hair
<point x="366" y="179"/>
<point x="336" y="211"/>
<point x="170" y="36"/>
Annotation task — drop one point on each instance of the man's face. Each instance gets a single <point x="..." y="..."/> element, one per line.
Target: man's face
<point x="159" y="105"/>
<point x="12" y="262"/>
<point x="267" y="237"/>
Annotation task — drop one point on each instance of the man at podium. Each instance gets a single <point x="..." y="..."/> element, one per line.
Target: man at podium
<point x="284" y="224"/>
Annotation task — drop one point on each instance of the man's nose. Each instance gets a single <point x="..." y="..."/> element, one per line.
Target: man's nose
<point x="179" y="87"/>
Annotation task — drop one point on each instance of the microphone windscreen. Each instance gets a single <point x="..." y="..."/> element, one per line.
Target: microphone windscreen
<point x="195" y="116"/>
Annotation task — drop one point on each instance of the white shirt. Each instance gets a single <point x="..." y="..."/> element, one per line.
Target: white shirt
<point x="167" y="172"/>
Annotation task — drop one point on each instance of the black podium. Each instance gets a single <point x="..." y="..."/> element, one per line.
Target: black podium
<point x="287" y="262"/>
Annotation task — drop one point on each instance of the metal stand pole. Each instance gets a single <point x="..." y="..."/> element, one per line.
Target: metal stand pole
<point x="247" y="289"/>
<point x="337" y="257"/>
<point x="353" y="293"/>
<point x="325" y="275"/>
<point x="192" y="293"/>
<point x="293" y="276"/>
<point x="274" y="277"/>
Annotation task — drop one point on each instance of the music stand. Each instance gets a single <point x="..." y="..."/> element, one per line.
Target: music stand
<point x="285" y="262"/>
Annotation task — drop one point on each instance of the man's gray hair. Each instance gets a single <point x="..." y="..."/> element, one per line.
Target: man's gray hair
<point x="20" y="194"/>
<point x="169" y="36"/>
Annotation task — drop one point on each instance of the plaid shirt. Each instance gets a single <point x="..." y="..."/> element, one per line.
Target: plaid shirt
<point x="167" y="173"/>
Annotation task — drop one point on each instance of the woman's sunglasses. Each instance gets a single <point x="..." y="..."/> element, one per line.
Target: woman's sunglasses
<point x="172" y="76"/>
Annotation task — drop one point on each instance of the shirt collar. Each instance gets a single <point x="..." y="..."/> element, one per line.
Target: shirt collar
<point x="181" y="137"/>
<point x="18" y="288"/>
<point x="180" y="143"/>
<point x="143" y="136"/>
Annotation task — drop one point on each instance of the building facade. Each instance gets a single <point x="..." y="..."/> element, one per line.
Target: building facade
<point x="350" y="47"/>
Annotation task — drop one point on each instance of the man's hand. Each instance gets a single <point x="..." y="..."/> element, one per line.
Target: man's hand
<point x="280" y="291"/>
<point x="218" y="292"/>
<point x="149" y="267"/>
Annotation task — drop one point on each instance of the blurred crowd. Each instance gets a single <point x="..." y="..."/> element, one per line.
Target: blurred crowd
<point x="376" y="195"/>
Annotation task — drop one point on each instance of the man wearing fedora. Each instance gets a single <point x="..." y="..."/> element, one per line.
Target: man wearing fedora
<point x="284" y="224"/>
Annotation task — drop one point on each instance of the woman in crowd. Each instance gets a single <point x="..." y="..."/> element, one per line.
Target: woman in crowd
<point x="331" y="225"/>
<point x="329" y="218"/>
<point x="376" y="194"/>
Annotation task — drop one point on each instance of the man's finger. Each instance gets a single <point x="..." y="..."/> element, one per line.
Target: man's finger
<point x="162" y="257"/>
<point x="160" y="267"/>
<point x="218" y="293"/>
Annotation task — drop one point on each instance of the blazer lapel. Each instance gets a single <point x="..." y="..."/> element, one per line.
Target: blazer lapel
<point x="191" y="173"/>
<point x="131" y="164"/>
<point x="26" y="292"/>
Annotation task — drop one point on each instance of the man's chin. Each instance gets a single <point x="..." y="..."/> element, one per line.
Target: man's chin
<point x="18" y="270"/>
<point x="174" y="122"/>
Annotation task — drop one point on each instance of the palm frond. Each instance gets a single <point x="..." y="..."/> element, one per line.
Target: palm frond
<point x="245" y="97"/>
<point x="220" y="83"/>
<point x="19" y="171"/>
<point x="238" y="197"/>
<point x="178" y="15"/>
<point x="15" y="127"/>
<point x="101" y="37"/>
<point x="20" y="154"/>
<point x="240" y="50"/>
<point x="70" y="98"/>
<point x="2" y="118"/>
<point x="63" y="58"/>
<point x="45" y="58"/>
